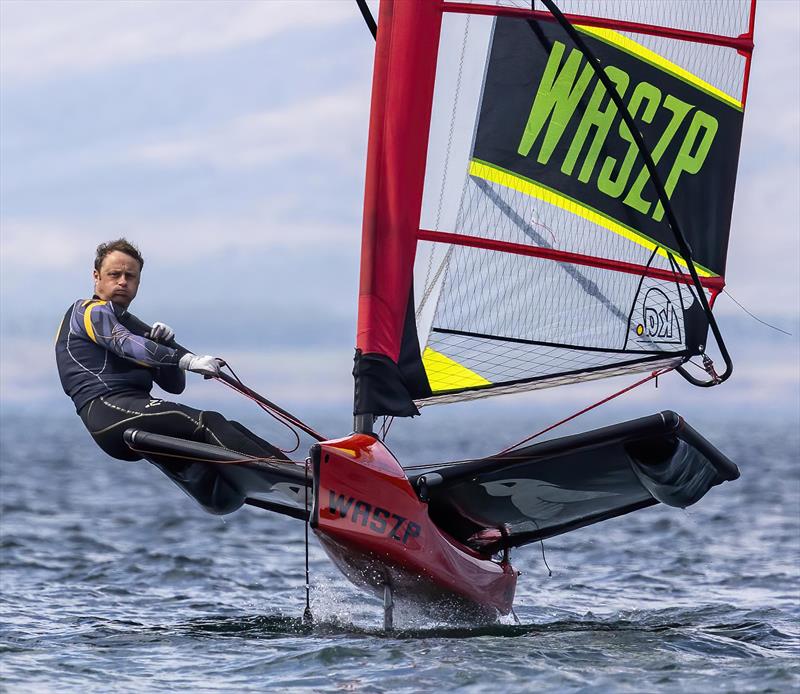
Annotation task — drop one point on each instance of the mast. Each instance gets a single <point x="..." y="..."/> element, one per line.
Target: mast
<point x="362" y="424"/>
<point x="402" y="96"/>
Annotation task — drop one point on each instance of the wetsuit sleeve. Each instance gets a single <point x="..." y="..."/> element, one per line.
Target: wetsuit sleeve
<point x="171" y="378"/>
<point x="97" y="321"/>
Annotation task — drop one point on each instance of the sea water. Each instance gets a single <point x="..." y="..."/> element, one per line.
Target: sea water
<point x="113" y="580"/>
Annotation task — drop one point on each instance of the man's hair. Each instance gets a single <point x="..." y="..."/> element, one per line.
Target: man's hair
<point x="122" y="245"/>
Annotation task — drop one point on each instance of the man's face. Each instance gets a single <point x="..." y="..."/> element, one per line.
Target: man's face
<point x="118" y="279"/>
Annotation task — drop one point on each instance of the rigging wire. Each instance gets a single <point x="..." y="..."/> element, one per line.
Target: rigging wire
<point x="368" y="18"/>
<point x="653" y="375"/>
<point x="754" y="317"/>
<point x="544" y="559"/>
<point x="275" y="411"/>
<point x="387" y="424"/>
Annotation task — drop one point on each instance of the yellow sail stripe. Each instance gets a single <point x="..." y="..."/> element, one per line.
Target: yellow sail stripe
<point x="639" y="51"/>
<point x="87" y="319"/>
<point x="502" y="177"/>
<point x="446" y="374"/>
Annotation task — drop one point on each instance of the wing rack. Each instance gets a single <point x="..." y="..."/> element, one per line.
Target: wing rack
<point x="560" y="485"/>
<point x="221" y="480"/>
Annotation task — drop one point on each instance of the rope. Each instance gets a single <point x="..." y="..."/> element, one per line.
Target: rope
<point x="274" y="410"/>
<point x="287" y="420"/>
<point x="544" y="559"/>
<point x="387" y="424"/>
<point x="755" y="317"/>
<point x="654" y="374"/>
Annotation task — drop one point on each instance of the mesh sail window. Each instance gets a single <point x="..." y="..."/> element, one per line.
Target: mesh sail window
<point x="512" y="236"/>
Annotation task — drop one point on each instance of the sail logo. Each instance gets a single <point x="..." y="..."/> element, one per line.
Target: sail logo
<point x="548" y="129"/>
<point x="659" y="319"/>
<point x="374" y="518"/>
<point x="541" y="500"/>
<point x="565" y="84"/>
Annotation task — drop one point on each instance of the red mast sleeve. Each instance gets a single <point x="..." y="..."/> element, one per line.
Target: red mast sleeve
<point x="402" y="97"/>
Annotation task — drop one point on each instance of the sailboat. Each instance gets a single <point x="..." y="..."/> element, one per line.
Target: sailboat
<point x="548" y="201"/>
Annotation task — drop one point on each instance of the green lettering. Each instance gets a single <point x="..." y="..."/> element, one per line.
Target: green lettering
<point x="556" y="99"/>
<point x="600" y="119"/>
<point x="651" y="96"/>
<point x="679" y="110"/>
<point x="686" y="162"/>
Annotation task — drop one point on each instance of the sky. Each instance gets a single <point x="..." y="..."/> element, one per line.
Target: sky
<point x="228" y="140"/>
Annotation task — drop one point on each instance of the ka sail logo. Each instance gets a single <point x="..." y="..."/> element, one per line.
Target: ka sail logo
<point x="659" y="319"/>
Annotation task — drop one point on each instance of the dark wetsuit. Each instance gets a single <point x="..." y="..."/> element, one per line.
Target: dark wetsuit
<point x="108" y="367"/>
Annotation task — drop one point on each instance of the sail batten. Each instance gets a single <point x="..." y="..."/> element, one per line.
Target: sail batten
<point x="715" y="284"/>
<point x="741" y="42"/>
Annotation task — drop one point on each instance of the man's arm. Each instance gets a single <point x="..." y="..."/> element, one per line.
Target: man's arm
<point x="97" y="321"/>
<point x="170" y="378"/>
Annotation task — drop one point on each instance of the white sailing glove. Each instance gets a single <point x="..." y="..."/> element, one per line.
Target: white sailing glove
<point x="206" y="364"/>
<point x="161" y="332"/>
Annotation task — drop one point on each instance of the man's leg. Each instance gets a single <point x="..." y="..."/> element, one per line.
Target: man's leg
<point x="255" y="439"/>
<point x="108" y="417"/>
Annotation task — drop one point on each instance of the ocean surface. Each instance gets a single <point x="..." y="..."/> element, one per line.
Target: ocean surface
<point x="113" y="580"/>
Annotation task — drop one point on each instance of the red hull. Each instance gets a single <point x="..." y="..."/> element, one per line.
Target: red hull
<point x="376" y="530"/>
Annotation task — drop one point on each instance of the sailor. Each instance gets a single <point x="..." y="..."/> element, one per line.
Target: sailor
<point x="108" y="361"/>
